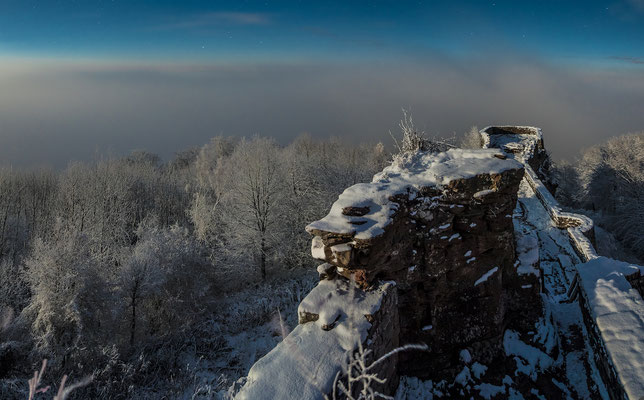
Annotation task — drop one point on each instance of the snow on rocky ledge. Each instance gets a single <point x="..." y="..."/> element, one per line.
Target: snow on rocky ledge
<point x="618" y="311"/>
<point x="334" y="317"/>
<point x="412" y="173"/>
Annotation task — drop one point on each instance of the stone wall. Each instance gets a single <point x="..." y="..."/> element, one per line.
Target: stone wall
<point x="612" y="349"/>
<point x="449" y="247"/>
<point x="525" y="144"/>
<point x="427" y="253"/>
<point x="601" y="358"/>
<point x="613" y="312"/>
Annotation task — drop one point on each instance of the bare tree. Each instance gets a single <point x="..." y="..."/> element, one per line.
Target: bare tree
<point x="162" y="282"/>
<point x="609" y="180"/>
<point x="255" y="189"/>
<point x="69" y="301"/>
<point x="205" y="211"/>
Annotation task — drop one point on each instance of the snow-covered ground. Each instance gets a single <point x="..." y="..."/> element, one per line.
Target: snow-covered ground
<point x="578" y="377"/>
<point x="304" y="364"/>
<point x="251" y="323"/>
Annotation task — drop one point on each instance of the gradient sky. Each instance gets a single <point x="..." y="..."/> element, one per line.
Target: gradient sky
<point x="81" y="77"/>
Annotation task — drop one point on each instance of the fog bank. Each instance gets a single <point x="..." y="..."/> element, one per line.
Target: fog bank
<point x="52" y="112"/>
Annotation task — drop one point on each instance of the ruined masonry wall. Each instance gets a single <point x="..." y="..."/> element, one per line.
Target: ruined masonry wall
<point x="526" y="144"/>
<point x="424" y="254"/>
<point x="615" y="362"/>
<point x="444" y="233"/>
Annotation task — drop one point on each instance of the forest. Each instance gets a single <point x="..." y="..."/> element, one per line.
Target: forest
<point x="147" y="276"/>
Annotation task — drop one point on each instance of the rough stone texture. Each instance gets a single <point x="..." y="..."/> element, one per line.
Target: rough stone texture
<point x="637" y="282"/>
<point x="526" y="145"/>
<point x="606" y="368"/>
<point x="613" y="312"/>
<point x="439" y="244"/>
<point x="384" y="336"/>
<point x="526" y="142"/>
<point x="304" y="365"/>
<point x="457" y="262"/>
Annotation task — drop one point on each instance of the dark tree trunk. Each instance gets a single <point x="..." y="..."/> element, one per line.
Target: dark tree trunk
<point x="133" y="320"/>
<point x="262" y="264"/>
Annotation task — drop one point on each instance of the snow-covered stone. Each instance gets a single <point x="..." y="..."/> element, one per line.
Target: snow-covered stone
<point x="304" y="365"/>
<point x="415" y="172"/>
<point x="617" y="312"/>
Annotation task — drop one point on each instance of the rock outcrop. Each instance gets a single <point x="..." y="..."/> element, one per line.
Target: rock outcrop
<point x="440" y="226"/>
<point x="526" y="145"/>
<point x="436" y="250"/>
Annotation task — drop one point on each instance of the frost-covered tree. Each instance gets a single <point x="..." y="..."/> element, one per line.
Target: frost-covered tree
<point x="205" y="211"/>
<point x="569" y="189"/>
<point x="130" y="248"/>
<point x="609" y="180"/>
<point x="27" y="209"/>
<point x="471" y="139"/>
<point x="14" y="232"/>
<point x="162" y="281"/>
<point x="14" y="292"/>
<point x="69" y="305"/>
<point x="253" y="200"/>
<point x="317" y="171"/>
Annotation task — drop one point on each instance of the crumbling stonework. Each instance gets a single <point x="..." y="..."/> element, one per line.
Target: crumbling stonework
<point x="526" y="143"/>
<point x="613" y="312"/>
<point x="435" y="250"/>
<point x="450" y="249"/>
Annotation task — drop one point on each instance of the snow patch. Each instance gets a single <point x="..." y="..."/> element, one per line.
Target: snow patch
<point x="310" y="356"/>
<point x="466" y="357"/>
<point x="317" y="248"/>
<point x="529" y="359"/>
<point x="478" y="370"/>
<point x="482" y="193"/>
<point x="487" y="391"/>
<point x="486" y="276"/>
<point x="527" y="252"/>
<point x="618" y="311"/>
<point x="463" y="377"/>
<point x="413" y="173"/>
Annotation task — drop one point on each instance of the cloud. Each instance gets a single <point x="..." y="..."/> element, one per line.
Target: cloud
<point x="53" y="112"/>
<point x="637" y="4"/>
<point x="216" y="18"/>
<point x="630" y="60"/>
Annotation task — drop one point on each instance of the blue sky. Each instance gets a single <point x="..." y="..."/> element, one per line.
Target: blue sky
<point x="192" y="30"/>
<point x="85" y="78"/>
